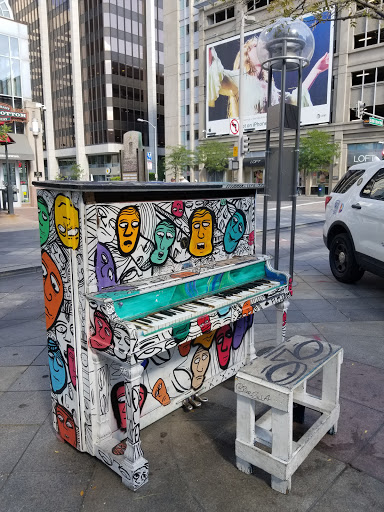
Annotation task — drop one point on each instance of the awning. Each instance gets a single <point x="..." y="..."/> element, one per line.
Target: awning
<point x="21" y="150"/>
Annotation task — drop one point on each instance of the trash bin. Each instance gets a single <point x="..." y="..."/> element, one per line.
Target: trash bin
<point x="321" y="191"/>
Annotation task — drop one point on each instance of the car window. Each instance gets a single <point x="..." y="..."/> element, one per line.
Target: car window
<point x="374" y="189"/>
<point x="349" y="178"/>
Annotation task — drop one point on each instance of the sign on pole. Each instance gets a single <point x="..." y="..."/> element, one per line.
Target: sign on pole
<point x="375" y="121"/>
<point x="234" y="126"/>
<point x="235" y="151"/>
<point x="149" y="156"/>
<point x="149" y="165"/>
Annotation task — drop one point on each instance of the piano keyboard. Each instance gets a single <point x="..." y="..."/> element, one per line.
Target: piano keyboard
<point x="185" y="312"/>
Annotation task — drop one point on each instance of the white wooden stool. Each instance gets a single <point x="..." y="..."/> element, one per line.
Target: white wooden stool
<point x="278" y="379"/>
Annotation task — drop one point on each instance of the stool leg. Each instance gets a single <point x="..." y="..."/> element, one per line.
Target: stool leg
<point x="331" y="384"/>
<point x="281" y="321"/>
<point x="245" y="430"/>
<point x="282" y="444"/>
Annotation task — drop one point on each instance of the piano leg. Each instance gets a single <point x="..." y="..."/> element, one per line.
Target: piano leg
<point x="135" y="466"/>
<point x="281" y="321"/>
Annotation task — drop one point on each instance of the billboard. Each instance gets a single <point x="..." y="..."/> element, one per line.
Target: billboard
<point x="222" y="84"/>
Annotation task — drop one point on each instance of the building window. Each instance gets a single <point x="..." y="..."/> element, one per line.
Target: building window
<point x="369" y="39"/>
<point x="187" y="108"/>
<point x="195" y="26"/>
<point x="187" y="83"/>
<point x="367" y="76"/>
<point x="187" y="57"/>
<point x="196" y="134"/>
<point x="187" y="29"/>
<point x="196" y="108"/>
<point x="220" y="16"/>
<point x="196" y="81"/>
<point x="256" y="4"/>
<point x="187" y="135"/>
<point x="196" y="53"/>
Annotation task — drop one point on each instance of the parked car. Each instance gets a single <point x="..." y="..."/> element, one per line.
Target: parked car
<point x="354" y="223"/>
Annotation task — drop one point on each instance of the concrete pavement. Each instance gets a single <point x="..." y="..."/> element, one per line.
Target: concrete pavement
<point x="191" y="455"/>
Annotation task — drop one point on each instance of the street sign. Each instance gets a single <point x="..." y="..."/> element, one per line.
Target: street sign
<point x="149" y="165"/>
<point x="234" y="126"/>
<point x="375" y="121"/>
<point x="38" y="174"/>
<point x="235" y="151"/>
<point x="107" y="171"/>
<point x="149" y="156"/>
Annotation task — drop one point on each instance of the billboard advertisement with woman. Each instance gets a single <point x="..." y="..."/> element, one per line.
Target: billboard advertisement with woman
<point x="223" y="61"/>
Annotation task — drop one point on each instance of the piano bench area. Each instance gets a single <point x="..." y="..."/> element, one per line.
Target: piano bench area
<point x="275" y="382"/>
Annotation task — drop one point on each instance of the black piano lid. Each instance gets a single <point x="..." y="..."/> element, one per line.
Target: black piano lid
<point x="111" y="191"/>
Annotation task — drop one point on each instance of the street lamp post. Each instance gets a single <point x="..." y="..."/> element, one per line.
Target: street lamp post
<point x="155" y="152"/>
<point x="35" y="132"/>
<point x="286" y="45"/>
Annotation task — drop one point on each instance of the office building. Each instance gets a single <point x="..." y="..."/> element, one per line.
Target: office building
<point x="355" y="73"/>
<point x="96" y="67"/>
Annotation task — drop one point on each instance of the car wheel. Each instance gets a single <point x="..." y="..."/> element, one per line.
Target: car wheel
<point x="342" y="260"/>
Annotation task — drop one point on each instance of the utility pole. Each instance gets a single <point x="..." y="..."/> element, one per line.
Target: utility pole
<point x="240" y="176"/>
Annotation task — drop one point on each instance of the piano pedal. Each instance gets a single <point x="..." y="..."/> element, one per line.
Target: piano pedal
<point x="187" y="406"/>
<point x="120" y="448"/>
<point x="194" y="403"/>
<point x="201" y="399"/>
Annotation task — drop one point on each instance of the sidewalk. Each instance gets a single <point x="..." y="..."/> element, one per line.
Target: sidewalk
<point x="191" y="455"/>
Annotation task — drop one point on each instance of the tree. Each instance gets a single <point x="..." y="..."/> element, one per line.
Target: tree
<point x="4" y="129"/>
<point x="177" y="159"/>
<point x="317" y="152"/>
<point x="321" y="10"/>
<point x="213" y="155"/>
<point x="76" y="173"/>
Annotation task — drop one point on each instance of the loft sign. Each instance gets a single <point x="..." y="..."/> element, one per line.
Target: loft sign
<point x="8" y="113"/>
<point x="358" y="159"/>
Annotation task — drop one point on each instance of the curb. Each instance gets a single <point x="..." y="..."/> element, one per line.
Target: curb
<point x="17" y="271"/>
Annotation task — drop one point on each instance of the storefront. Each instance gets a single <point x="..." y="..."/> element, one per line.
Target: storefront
<point x="19" y="156"/>
<point x="254" y="166"/>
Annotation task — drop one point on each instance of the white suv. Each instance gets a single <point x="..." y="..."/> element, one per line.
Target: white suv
<point x="354" y="223"/>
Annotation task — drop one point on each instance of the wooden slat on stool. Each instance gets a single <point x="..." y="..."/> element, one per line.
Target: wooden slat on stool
<point x="277" y="379"/>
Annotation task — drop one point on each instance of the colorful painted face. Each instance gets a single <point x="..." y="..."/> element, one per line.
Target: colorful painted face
<point x="119" y="405"/>
<point x="205" y="340"/>
<point x="63" y="330"/>
<point x="143" y="396"/>
<point x="180" y="332"/>
<point x="43" y="214"/>
<point x="199" y="367"/>
<point x="58" y="373"/>
<point x="240" y="328"/>
<point x="224" y="337"/>
<point x="105" y="267"/>
<point x="71" y="364"/>
<point x="234" y="231"/>
<point x="121" y="342"/>
<point x="127" y="229"/>
<point x="102" y="338"/>
<point x="177" y="208"/>
<point x="165" y="234"/>
<point x="184" y="348"/>
<point x="204" y="323"/>
<point x="247" y="308"/>
<point x="67" y="222"/>
<point x="66" y="425"/>
<point x="200" y="243"/>
<point x="53" y="289"/>
<point x="159" y="392"/>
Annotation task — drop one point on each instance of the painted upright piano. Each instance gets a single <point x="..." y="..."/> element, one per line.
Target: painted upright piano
<point x="150" y="291"/>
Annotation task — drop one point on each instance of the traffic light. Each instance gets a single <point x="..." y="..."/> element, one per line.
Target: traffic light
<point x="244" y="144"/>
<point x="360" y="107"/>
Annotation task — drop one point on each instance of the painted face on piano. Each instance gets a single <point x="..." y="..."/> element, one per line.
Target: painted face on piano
<point x="160" y="393"/>
<point x="247" y="308"/>
<point x="53" y="289"/>
<point x="58" y="373"/>
<point x="127" y="229"/>
<point x="177" y="208"/>
<point x="71" y="364"/>
<point x="66" y="425"/>
<point x="199" y="367"/>
<point x="234" y="231"/>
<point x="121" y="342"/>
<point x="165" y="234"/>
<point x="204" y="323"/>
<point x="201" y="229"/>
<point x="43" y="215"/>
<point x="105" y="267"/>
<point x="119" y="405"/>
<point x="102" y="338"/>
<point x="67" y="222"/>
<point x="240" y="328"/>
<point x="224" y="337"/>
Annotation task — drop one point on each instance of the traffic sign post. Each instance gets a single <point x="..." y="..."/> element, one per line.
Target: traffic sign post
<point x="234" y="126"/>
<point x="376" y="121"/>
<point x="235" y="151"/>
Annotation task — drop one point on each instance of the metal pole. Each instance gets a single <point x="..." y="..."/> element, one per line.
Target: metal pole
<point x="295" y="170"/>
<point x="240" y="177"/>
<point x="37" y="160"/>
<point x="280" y="164"/>
<point x="266" y="167"/>
<point x="155" y="155"/>
<point x="11" y="211"/>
